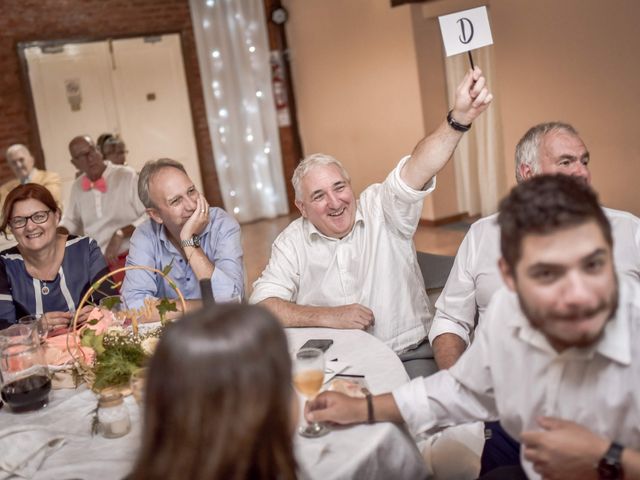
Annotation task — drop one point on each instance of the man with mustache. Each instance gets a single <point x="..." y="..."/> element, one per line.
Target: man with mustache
<point x="555" y="357"/>
<point x="198" y="241"/>
<point x="351" y="263"/>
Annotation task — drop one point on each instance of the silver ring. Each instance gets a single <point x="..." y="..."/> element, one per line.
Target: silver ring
<point x="202" y="210"/>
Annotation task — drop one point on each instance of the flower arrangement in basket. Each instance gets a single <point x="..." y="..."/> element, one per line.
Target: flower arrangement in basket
<point x="104" y="353"/>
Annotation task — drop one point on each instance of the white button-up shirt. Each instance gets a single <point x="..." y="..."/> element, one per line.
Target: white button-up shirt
<point x="374" y="265"/>
<point x="475" y="276"/>
<point x="98" y="215"/>
<point x="511" y="372"/>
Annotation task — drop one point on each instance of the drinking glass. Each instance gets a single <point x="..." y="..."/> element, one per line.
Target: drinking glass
<point x="38" y="323"/>
<point x="23" y="372"/>
<point x="308" y="376"/>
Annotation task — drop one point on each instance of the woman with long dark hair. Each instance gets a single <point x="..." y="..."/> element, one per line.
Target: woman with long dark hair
<point x="219" y="402"/>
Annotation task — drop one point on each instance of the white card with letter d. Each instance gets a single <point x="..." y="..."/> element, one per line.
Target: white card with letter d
<point x="466" y="30"/>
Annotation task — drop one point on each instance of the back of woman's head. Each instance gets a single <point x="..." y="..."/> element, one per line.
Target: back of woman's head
<point x="218" y="399"/>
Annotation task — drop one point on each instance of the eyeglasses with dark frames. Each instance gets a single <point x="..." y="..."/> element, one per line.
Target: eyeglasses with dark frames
<point x="38" y="218"/>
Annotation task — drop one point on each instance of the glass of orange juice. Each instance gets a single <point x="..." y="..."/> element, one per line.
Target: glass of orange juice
<point x="308" y="377"/>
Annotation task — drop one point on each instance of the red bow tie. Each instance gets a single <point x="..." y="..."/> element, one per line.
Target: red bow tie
<point x="99" y="184"/>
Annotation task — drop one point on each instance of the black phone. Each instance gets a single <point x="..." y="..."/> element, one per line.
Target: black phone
<point x="322" y="344"/>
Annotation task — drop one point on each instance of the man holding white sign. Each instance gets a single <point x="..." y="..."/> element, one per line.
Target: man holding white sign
<point x="349" y="262"/>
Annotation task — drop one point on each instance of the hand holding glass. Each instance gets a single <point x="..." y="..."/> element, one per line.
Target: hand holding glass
<point x="308" y="376"/>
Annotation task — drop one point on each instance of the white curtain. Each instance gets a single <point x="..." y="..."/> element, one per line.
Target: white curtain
<point x="479" y="159"/>
<point x="233" y="53"/>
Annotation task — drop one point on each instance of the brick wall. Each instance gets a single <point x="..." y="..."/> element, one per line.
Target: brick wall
<point x="33" y="20"/>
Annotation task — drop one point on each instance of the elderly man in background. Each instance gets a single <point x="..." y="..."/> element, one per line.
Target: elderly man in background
<point x="198" y="242"/>
<point x="103" y="203"/>
<point x="351" y="263"/>
<point x="22" y="165"/>
<point x="547" y="148"/>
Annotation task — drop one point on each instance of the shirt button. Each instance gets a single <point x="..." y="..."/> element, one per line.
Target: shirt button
<point x="188" y="279"/>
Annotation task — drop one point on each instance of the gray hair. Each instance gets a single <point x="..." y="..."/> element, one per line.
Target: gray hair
<point x="528" y="148"/>
<point x="309" y="163"/>
<point x="151" y="168"/>
<point x="14" y="148"/>
<point x="112" y="141"/>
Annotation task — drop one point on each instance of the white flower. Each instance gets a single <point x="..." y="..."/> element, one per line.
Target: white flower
<point x="149" y="345"/>
<point x="116" y="332"/>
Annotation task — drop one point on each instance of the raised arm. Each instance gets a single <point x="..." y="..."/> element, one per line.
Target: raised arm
<point x="433" y="151"/>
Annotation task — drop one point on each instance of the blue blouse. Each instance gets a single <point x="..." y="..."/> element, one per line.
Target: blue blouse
<point x="21" y="294"/>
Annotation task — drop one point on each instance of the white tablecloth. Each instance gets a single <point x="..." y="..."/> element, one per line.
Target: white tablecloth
<point x="364" y="451"/>
<point x="379" y="451"/>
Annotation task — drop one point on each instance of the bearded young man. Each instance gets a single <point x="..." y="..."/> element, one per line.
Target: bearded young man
<point x="554" y="358"/>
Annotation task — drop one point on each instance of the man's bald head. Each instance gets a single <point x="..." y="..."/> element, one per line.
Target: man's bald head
<point x="86" y="157"/>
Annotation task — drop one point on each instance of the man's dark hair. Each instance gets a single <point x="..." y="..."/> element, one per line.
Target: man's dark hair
<point x="543" y="205"/>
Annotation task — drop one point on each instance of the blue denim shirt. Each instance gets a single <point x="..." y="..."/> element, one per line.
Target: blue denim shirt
<point x="150" y="246"/>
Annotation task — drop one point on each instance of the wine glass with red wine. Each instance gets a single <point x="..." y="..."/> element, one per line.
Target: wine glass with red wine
<point x="23" y="372"/>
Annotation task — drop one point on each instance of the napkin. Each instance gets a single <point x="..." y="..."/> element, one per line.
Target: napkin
<point x="24" y="448"/>
<point x="331" y="369"/>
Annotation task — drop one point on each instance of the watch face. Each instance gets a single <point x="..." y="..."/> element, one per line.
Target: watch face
<point x="609" y="471"/>
<point x="196" y="240"/>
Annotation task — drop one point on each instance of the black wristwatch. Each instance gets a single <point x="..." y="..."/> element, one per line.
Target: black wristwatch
<point x="194" y="241"/>
<point x="610" y="466"/>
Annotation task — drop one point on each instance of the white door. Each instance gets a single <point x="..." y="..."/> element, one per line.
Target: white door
<point x="72" y="94"/>
<point x="132" y="87"/>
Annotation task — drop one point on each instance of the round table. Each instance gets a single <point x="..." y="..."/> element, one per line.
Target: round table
<point x="382" y="450"/>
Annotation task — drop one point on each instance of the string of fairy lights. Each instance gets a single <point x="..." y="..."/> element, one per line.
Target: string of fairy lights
<point x="242" y="114"/>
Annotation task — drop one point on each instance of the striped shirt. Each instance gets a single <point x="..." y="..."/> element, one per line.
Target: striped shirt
<point x="21" y="294"/>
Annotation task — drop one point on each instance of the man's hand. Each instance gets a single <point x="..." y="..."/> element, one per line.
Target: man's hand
<point x="472" y="97"/>
<point x="113" y="247"/>
<point x="198" y="220"/>
<point x="564" y="450"/>
<point x="336" y="407"/>
<point x="354" y="316"/>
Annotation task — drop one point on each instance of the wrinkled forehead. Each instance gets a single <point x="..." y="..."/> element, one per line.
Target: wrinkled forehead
<point x="321" y="177"/>
<point x="560" y="142"/>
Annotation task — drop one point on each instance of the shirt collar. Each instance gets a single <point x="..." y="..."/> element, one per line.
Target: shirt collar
<point x="614" y="344"/>
<point x="312" y="231"/>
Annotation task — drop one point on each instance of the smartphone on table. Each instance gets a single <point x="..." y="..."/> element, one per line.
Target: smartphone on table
<point x="322" y="344"/>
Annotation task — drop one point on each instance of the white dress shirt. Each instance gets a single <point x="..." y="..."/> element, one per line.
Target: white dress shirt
<point x="98" y="215"/>
<point x="374" y="265"/>
<point x="511" y="372"/>
<point x="475" y="275"/>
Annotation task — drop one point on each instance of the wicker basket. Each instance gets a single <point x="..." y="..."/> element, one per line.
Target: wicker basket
<point x="80" y="364"/>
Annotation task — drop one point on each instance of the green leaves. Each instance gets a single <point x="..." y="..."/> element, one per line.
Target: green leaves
<point x="165" y="306"/>
<point x="110" y="302"/>
<point x="114" y="366"/>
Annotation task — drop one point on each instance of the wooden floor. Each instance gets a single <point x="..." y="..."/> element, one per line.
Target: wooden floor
<point x="257" y="238"/>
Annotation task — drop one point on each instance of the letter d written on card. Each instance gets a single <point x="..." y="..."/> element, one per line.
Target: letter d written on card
<point x="466" y="30"/>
